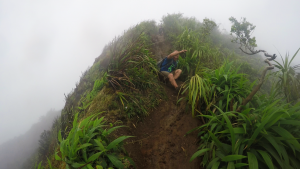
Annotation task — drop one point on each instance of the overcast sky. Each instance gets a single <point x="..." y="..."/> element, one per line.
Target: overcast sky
<point x="45" y="45"/>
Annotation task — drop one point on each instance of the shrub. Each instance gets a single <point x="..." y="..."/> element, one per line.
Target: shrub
<point x="88" y="146"/>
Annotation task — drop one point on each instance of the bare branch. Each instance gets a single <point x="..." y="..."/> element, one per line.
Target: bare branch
<point x="252" y="52"/>
<point x="255" y="90"/>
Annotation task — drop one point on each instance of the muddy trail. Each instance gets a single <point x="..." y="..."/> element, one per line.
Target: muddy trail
<point x="160" y="141"/>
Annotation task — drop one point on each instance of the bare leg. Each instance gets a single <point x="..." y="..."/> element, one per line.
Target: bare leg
<point x="177" y="73"/>
<point x="172" y="80"/>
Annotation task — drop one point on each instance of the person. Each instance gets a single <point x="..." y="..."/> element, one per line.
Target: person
<point x="168" y="68"/>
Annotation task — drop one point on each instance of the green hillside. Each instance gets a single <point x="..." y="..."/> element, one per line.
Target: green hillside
<point x="122" y="114"/>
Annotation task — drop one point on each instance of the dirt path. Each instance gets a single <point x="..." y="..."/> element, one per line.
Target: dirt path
<point x="160" y="142"/>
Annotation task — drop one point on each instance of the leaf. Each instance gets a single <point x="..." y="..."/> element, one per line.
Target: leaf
<point x="40" y="164"/>
<point x="99" y="167"/>
<point x="89" y="166"/>
<point x="259" y="128"/>
<point x="115" y="161"/>
<point x="252" y="161"/>
<point x="274" y="144"/>
<point x="267" y="158"/>
<point x="111" y="130"/>
<point x="230" y="165"/>
<point x="233" y="157"/>
<point x="218" y="143"/>
<point x="57" y="157"/>
<point x="216" y="165"/>
<point x="212" y="162"/>
<point x="83" y="146"/>
<point x="75" y="121"/>
<point x="59" y="136"/>
<point x="116" y="141"/>
<point x="287" y="135"/>
<point x="84" y="154"/>
<point x="99" y="144"/>
<point x="179" y="100"/>
<point x="290" y="122"/>
<point x="225" y="77"/>
<point x="199" y="153"/>
<point x="49" y="162"/>
<point x="229" y="125"/>
<point x="94" y="157"/>
<point x="77" y="165"/>
<point x="273" y="153"/>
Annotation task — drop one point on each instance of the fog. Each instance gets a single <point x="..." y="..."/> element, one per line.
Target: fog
<point x="15" y="152"/>
<point x="45" y="45"/>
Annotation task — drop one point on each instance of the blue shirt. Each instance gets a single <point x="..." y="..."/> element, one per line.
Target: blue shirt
<point x="168" y="65"/>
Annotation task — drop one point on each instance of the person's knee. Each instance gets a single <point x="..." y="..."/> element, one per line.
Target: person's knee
<point x="170" y="76"/>
<point x="178" y="72"/>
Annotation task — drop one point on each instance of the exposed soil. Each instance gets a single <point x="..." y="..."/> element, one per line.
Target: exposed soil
<point x="161" y="48"/>
<point x="160" y="141"/>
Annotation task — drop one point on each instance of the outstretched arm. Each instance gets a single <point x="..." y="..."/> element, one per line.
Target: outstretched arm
<point x="175" y="53"/>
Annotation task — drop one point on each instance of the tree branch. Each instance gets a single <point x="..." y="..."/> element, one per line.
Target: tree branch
<point x="252" y="52"/>
<point x="255" y="90"/>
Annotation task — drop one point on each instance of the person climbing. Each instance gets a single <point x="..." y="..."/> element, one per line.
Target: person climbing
<point x="168" y="68"/>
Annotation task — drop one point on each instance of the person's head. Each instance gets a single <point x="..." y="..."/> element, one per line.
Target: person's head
<point x="176" y="57"/>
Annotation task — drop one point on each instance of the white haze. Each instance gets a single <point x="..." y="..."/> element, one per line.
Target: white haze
<point x="45" y="45"/>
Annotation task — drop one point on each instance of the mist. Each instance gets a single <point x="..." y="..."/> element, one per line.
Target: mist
<point x="15" y="152"/>
<point x="46" y="45"/>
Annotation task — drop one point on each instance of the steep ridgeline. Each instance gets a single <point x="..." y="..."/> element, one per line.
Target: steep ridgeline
<point x="122" y="114"/>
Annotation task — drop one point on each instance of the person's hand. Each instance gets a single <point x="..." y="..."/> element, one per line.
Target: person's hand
<point x="182" y="51"/>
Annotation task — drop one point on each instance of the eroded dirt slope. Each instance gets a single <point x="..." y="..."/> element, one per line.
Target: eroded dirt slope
<point x="160" y="142"/>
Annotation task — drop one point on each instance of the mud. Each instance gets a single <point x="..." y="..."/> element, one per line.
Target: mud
<point x="160" y="141"/>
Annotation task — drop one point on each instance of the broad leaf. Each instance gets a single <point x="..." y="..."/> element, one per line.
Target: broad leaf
<point x="252" y="161"/>
<point x="115" y="161"/>
<point x="94" y="157"/>
<point x="267" y="158"/>
<point x="117" y="141"/>
<point x="83" y="146"/>
<point x="199" y="153"/>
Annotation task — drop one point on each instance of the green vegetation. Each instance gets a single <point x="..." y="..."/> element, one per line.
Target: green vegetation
<point x="88" y="146"/>
<point x="259" y="133"/>
<point x="288" y="82"/>
<point x="246" y="123"/>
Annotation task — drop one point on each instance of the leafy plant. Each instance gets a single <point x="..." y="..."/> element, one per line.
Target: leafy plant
<point x="224" y="87"/>
<point x="257" y="138"/>
<point x="88" y="146"/>
<point x="199" y="88"/>
<point x="288" y="82"/>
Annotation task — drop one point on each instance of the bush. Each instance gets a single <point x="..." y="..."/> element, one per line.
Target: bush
<point x="88" y="146"/>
